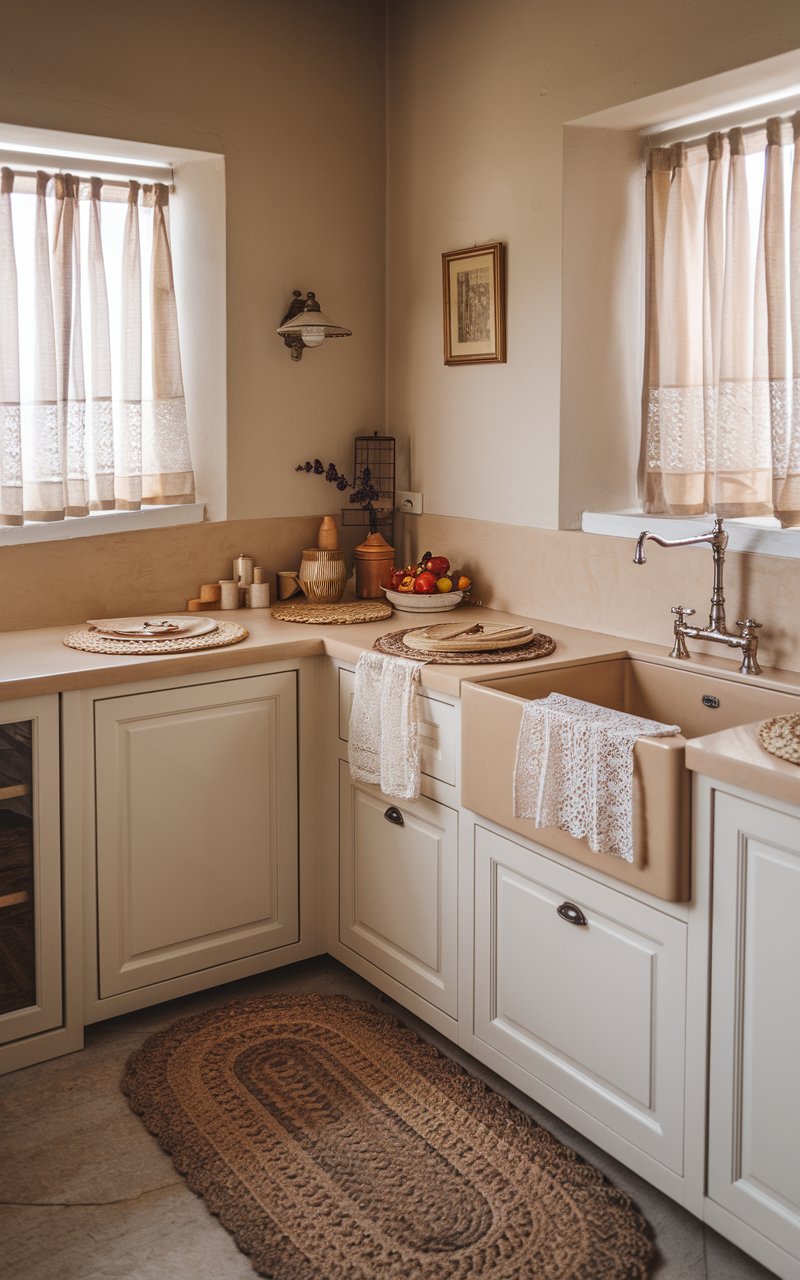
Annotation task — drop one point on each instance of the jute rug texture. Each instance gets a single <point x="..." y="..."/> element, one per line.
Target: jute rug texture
<point x="334" y="1144"/>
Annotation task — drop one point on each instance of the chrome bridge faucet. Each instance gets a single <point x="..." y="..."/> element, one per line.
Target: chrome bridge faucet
<point x="747" y="640"/>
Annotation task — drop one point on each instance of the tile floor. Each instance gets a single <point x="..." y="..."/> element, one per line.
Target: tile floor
<point x="87" y="1194"/>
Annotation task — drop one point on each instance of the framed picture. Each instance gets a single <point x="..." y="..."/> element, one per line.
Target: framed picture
<point x="474" y="305"/>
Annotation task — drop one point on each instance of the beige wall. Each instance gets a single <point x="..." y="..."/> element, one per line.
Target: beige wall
<point x="155" y="571"/>
<point x="478" y="98"/>
<point x="584" y="580"/>
<point x="293" y="95"/>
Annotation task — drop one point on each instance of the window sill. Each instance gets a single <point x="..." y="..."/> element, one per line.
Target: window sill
<point x="762" y="536"/>
<point x="100" y="522"/>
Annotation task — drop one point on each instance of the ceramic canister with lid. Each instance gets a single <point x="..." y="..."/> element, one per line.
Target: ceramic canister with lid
<point x="374" y="562"/>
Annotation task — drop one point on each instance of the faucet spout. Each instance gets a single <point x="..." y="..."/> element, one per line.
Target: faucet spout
<point x="717" y="628"/>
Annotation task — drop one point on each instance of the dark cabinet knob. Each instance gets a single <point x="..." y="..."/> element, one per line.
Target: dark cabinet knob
<point x="394" y="815"/>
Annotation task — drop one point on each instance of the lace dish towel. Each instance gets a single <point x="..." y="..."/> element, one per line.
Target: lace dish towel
<point x="574" y="770"/>
<point x="383" y="724"/>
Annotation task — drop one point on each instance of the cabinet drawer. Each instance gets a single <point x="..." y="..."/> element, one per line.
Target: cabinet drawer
<point x="608" y="1033"/>
<point x="398" y="898"/>
<point x="438" y="730"/>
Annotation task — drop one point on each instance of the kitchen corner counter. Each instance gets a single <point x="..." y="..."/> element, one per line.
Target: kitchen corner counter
<point x="38" y="662"/>
<point x="737" y="756"/>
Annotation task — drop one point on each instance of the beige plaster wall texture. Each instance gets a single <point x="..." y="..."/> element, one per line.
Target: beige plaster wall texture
<point x="294" y="98"/>
<point x="585" y="580"/>
<point x="479" y="97"/>
<point x="155" y="571"/>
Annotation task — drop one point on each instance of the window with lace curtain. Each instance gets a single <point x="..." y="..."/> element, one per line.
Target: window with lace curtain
<point x="92" y="407"/>
<point x="722" y="357"/>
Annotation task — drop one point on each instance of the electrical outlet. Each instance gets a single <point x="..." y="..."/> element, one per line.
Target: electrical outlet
<point x="411" y="503"/>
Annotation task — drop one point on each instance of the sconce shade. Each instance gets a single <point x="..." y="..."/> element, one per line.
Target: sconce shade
<point x="305" y="325"/>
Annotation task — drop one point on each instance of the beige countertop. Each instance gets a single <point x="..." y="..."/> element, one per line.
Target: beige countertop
<point x="34" y="662"/>
<point x="737" y="756"/>
<point x="39" y="662"/>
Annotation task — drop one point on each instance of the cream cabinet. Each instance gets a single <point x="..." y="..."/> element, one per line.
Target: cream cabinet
<point x="754" y="1078"/>
<point x="398" y="889"/>
<point x="33" y="1012"/>
<point x="196" y="856"/>
<point x="582" y="989"/>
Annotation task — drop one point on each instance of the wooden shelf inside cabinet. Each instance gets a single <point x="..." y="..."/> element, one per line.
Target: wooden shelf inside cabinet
<point x="13" y="899"/>
<point x="14" y="791"/>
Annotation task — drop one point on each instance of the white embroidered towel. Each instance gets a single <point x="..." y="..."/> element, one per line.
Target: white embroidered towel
<point x="383" y="724"/>
<point x="574" y="770"/>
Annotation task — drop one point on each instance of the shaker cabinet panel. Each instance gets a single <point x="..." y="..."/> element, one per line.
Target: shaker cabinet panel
<point x="196" y="827"/>
<point x="399" y="888"/>
<point x="583" y="988"/>
<point x="754" y="1096"/>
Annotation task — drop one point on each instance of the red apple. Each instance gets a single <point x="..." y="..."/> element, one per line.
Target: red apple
<point x="425" y="582"/>
<point x="437" y="565"/>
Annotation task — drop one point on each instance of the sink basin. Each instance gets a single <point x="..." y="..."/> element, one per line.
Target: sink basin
<point x="699" y="703"/>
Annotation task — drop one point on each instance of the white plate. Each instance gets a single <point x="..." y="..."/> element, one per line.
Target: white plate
<point x="417" y="602"/>
<point x="172" y="627"/>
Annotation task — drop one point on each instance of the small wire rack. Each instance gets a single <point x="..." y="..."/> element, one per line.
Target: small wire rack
<point x="378" y="453"/>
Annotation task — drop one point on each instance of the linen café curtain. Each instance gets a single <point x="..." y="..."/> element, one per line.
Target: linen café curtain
<point x="722" y="358"/>
<point x="92" y="409"/>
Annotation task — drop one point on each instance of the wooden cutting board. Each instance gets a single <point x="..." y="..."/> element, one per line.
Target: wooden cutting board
<point x="452" y="637"/>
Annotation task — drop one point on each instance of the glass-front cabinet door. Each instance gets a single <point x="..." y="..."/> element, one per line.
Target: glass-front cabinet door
<point x="30" y="869"/>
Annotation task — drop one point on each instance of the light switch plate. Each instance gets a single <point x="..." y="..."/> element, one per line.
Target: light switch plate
<point x="411" y="503"/>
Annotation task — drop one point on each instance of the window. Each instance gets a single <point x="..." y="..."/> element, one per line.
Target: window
<point x="92" y="407"/>
<point x="722" y="336"/>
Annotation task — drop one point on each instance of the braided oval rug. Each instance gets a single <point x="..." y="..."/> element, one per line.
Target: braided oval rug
<point x="334" y="1144"/>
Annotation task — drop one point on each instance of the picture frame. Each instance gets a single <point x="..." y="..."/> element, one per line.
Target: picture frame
<point x="473" y="292"/>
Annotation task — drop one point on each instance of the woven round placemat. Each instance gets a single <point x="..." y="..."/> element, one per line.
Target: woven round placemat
<point x="93" y="642"/>
<point x="781" y="737"/>
<point x="349" y="611"/>
<point x="539" y="647"/>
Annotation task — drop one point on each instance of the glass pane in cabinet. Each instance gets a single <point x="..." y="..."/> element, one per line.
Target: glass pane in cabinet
<point x="17" y="926"/>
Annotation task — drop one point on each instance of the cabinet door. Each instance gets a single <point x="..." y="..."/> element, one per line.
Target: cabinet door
<point x="398" y="880"/>
<point x="595" y="1010"/>
<point x="196" y="827"/>
<point x="754" y="1093"/>
<point x="30" y="869"/>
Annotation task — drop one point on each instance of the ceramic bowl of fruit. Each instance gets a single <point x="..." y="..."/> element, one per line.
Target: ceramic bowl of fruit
<point x="428" y="586"/>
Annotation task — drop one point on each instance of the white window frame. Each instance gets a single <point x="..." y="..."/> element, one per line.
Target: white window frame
<point x="197" y="223"/>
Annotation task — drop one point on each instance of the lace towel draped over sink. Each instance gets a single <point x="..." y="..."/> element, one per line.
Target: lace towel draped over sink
<point x="574" y="770"/>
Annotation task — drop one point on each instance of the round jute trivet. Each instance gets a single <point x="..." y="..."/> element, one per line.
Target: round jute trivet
<point x="781" y="737"/>
<point x="225" y="634"/>
<point x="539" y="647"/>
<point x="349" y="611"/>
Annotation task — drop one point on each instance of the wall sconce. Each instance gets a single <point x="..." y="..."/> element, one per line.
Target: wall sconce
<point x="305" y="325"/>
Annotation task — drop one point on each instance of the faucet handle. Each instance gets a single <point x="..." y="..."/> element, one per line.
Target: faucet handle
<point x="682" y="611"/>
<point x="749" y="626"/>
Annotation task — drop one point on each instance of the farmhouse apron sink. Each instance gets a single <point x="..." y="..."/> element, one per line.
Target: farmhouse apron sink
<point x="699" y="703"/>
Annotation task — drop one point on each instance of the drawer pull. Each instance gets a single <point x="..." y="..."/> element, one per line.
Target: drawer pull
<point x="394" y="815"/>
<point x="572" y="914"/>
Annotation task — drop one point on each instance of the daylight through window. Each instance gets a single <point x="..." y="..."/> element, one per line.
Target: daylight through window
<point x="92" y="409"/>
<point x="722" y="372"/>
